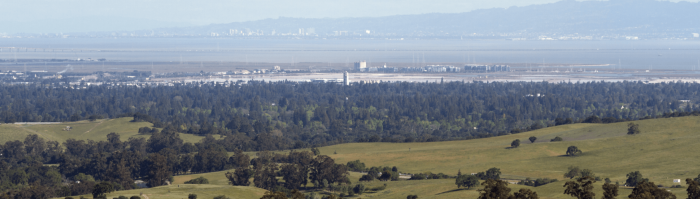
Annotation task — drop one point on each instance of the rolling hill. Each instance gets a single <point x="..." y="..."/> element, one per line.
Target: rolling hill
<point x="81" y="130"/>
<point x="663" y="151"/>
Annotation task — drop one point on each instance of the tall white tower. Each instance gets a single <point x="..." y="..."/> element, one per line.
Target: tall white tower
<point x="346" y="78"/>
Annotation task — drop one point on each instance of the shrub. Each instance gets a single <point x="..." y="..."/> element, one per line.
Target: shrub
<point x="356" y="165"/>
<point x="221" y="197"/>
<point x="359" y="189"/>
<point x="515" y="143"/>
<point x="200" y="180"/>
<point x="135" y="197"/>
<point x="192" y="196"/>
<point x="419" y="176"/>
<point x="633" y="129"/>
<point x="394" y="176"/>
<point x="438" y="176"/>
<point x="556" y="139"/>
<point x="366" y="178"/>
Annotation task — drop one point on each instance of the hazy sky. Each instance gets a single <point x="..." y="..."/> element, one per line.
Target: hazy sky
<point x="202" y="12"/>
<point x="52" y="14"/>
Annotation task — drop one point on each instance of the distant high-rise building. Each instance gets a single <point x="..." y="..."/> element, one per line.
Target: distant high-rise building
<point x="696" y="35"/>
<point x="360" y="65"/>
<point x="346" y="78"/>
<point x="301" y="31"/>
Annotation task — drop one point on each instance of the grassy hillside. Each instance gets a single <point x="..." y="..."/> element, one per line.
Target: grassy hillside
<point x="96" y="130"/>
<point x="182" y="191"/>
<point x="662" y="152"/>
<point x="445" y="188"/>
<point x="215" y="178"/>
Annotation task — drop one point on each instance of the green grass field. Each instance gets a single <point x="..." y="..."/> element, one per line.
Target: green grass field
<point x="662" y="152"/>
<point x="82" y="130"/>
<point x="665" y="150"/>
<point x="203" y="191"/>
<point x="445" y="188"/>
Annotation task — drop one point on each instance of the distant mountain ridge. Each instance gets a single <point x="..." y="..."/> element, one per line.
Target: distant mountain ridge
<point x="564" y="17"/>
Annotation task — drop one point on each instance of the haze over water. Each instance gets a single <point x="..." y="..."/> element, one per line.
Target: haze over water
<point x="641" y="54"/>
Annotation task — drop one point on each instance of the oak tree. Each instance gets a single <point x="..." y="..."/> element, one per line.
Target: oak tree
<point x="581" y="188"/>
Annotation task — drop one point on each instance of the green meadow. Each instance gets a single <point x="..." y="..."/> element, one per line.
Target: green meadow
<point x="203" y="191"/>
<point x="666" y="149"/>
<point x="82" y="130"/>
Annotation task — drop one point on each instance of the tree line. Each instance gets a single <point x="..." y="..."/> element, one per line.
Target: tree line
<point x="98" y="167"/>
<point x="259" y="115"/>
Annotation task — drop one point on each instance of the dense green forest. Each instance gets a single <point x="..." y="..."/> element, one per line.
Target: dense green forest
<point x="259" y="115"/>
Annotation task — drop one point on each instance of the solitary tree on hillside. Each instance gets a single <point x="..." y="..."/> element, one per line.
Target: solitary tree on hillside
<point x="573" y="151"/>
<point x="633" y="129"/>
<point x="467" y="181"/>
<point x="532" y="139"/>
<point x="581" y="188"/>
<point x="634" y="178"/>
<point x="515" y="143"/>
